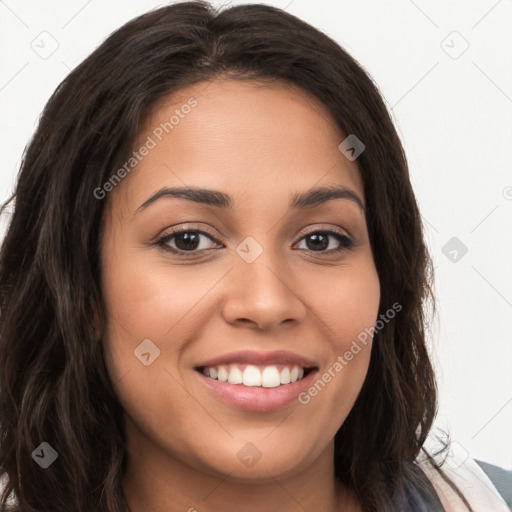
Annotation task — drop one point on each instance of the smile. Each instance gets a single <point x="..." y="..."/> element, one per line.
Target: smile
<point x="270" y="376"/>
<point x="266" y="376"/>
<point x="257" y="382"/>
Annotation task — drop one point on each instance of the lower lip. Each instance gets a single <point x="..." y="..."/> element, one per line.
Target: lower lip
<point x="257" y="398"/>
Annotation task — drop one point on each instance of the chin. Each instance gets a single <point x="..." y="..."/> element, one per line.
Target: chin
<point x="258" y="460"/>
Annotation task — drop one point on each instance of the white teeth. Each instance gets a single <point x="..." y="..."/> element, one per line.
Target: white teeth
<point x="269" y="377"/>
<point x="235" y="375"/>
<point x="222" y="374"/>
<point x="285" y="375"/>
<point x="252" y="376"/>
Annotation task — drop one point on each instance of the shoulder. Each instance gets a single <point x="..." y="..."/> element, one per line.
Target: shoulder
<point x="466" y="474"/>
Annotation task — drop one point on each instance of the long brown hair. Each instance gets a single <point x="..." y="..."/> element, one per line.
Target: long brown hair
<point x="54" y="385"/>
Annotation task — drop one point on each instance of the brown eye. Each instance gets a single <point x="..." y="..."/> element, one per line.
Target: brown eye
<point x="318" y="241"/>
<point x="185" y="241"/>
<point x="194" y="241"/>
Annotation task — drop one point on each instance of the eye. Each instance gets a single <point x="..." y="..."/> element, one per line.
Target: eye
<point x="187" y="241"/>
<point x="318" y="240"/>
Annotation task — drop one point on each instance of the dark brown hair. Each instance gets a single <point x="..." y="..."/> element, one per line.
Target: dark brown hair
<point x="54" y="385"/>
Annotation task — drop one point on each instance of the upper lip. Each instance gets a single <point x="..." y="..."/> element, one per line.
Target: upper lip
<point x="260" y="358"/>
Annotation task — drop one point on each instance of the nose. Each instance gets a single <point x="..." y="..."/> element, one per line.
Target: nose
<point x="262" y="294"/>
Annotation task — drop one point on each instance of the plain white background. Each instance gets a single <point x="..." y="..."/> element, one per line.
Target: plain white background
<point x="445" y="71"/>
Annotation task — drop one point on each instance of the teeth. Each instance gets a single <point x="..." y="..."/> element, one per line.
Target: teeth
<point x="268" y="377"/>
<point x="285" y="375"/>
<point x="222" y="374"/>
<point x="235" y="375"/>
<point x="252" y="376"/>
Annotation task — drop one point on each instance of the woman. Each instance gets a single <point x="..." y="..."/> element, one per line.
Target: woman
<point x="212" y="287"/>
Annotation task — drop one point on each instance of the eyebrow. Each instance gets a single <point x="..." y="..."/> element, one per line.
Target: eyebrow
<point x="311" y="198"/>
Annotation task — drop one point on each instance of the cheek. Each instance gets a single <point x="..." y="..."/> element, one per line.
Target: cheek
<point x="147" y="300"/>
<point x="348" y="309"/>
<point x="358" y="307"/>
<point x="151" y="310"/>
<point x="348" y="306"/>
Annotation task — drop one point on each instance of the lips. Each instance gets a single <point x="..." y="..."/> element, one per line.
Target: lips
<point x="255" y="358"/>
<point x="250" y="368"/>
<point x="257" y="381"/>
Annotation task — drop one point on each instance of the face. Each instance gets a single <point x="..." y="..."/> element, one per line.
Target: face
<point x="263" y="285"/>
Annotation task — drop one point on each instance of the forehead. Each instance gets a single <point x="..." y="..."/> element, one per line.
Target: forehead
<point x="255" y="141"/>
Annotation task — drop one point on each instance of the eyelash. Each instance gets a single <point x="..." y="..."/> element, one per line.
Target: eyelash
<point x="346" y="243"/>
